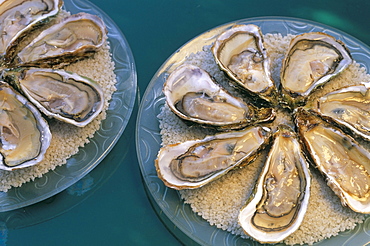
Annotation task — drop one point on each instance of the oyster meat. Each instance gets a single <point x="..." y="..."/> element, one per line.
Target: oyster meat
<point x="194" y="96"/>
<point x="312" y="59"/>
<point x="24" y="134"/>
<point x="240" y="52"/>
<point x="20" y="17"/>
<point x="73" y="38"/>
<point x="349" y="107"/>
<point x="194" y="163"/>
<point x="342" y="160"/>
<point x="304" y="133"/>
<point x="63" y="95"/>
<point x="280" y="199"/>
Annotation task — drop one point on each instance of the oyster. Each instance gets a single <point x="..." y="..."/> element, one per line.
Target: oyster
<point x="311" y="60"/>
<point x="342" y="160"/>
<point x="63" y="95"/>
<point x="24" y="134"/>
<point x="20" y="17"/>
<point x="194" y="163"/>
<point x="349" y="107"/>
<point x="193" y="95"/>
<point x="239" y="51"/>
<point x="75" y="37"/>
<point x="280" y="199"/>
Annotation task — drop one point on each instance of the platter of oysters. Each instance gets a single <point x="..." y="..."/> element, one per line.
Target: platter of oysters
<point x="262" y="135"/>
<point x="67" y="76"/>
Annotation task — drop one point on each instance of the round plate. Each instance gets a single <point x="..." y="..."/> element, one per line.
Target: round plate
<point x="118" y="115"/>
<point x="148" y="137"/>
<point x="72" y="196"/>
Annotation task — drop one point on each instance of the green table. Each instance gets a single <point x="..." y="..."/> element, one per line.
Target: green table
<point x="117" y="210"/>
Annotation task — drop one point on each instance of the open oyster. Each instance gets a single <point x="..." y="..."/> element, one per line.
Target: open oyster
<point x="311" y="60"/>
<point x="20" y="17"/>
<point x="342" y="160"/>
<point x="63" y="95"/>
<point x="349" y="107"/>
<point x="194" y="163"/>
<point x="280" y="199"/>
<point x="239" y="51"/>
<point x="24" y="134"/>
<point x="75" y="37"/>
<point x="193" y="96"/>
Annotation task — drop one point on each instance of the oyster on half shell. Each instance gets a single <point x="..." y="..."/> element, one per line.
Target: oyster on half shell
<point x="65" y="96"/>
<point x="342" y="160"/>
<point x="194" y="96"/>
<point x="240" y="53"/>
<point x="20" y="17"/>
<point x="24" y="134"/>
<point x="349" y="107"/>
<point x="194" y="163"/>
<point x="312" y="59"/>
<point x="280" y="197"/>
<point x="73" y="38"/>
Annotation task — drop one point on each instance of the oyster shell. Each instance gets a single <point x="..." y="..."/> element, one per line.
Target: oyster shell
<point x="194" y="163"/>
<point x="311" y="60"/>
<point x="349" y="107"/>
<point x="280" y="199"/>
<point x="59" y="94"/>
<point x="24" y="134"/>
<point x="193" y="96"/>
<point x="75" y="37"/>
<point x="20" y="17"/>
<point x="239" y="51"/>
<point x="342" y="160"/>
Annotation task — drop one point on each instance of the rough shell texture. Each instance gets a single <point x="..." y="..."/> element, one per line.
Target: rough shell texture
<point x="337" y="156"/>
<point x="220" y="201"/>
<point x="19" y="17"/>
<point x="24" y="134"/>
<point x="193" y="164"/>
<point x="240" y="53"/>
<point x="62" y="95"/>
<point x="311" y="60"/>
<point x="73" y="38"/>
<point x="280" y="199"/>
<point x="194" y="96"/>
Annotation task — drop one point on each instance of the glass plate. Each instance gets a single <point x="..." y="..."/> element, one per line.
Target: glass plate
<point x="118" y="115"/>
<point x="177" y="214"/>
<point x="73" y="195"/>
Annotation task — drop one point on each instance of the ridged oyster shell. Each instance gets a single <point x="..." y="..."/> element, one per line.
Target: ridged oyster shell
<point x="73" y="38"/>
<point x="312" y="59"/>
<point x="342" y="160"/>
<point x="292" y="100"/>
<point x="348" y="107"/>
<point x="24" y="134"/>
<point x="194" y="163"/>
<point x="280" y="197"/>
<point x="240" y="53"/>
<point x="65" y="96"/>
<point x="194" y="96"/>
<point x="19" y="17"/>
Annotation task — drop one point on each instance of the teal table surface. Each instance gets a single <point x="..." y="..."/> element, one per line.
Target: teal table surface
<point x="116" y="210"/>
